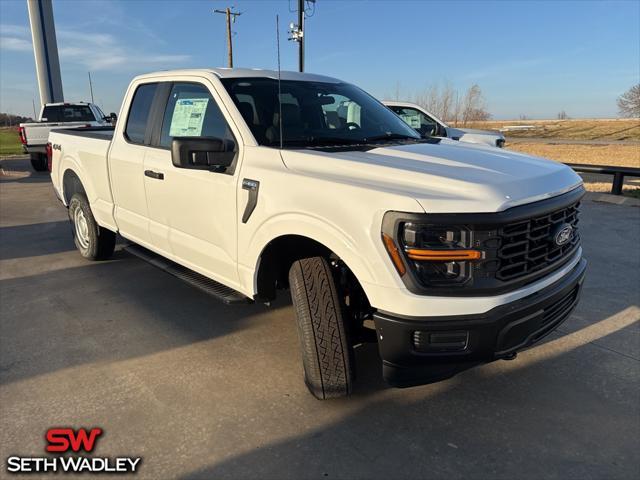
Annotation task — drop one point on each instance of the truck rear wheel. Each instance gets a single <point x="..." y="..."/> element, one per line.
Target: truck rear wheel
<point x="39" y="162"/>
<point x="93" y="241"/>
<point x="326" y="351"/>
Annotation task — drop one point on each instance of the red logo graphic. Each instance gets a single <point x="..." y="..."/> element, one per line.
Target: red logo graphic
<point x="65" y="439"/>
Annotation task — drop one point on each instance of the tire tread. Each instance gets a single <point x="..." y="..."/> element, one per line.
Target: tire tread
<point x="324" y="340"/>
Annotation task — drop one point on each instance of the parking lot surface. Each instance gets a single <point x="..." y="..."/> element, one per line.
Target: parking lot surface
<point x="203" y="390"/>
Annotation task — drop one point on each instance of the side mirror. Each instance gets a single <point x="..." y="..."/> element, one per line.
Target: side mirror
<point x="202" y="153"/>
<point x="428" y="130"/>
<point x="113" y="117"/>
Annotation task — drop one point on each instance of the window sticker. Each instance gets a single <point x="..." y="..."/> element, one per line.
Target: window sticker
<point x="188" y="117"/>
<point x="411" y="119"/>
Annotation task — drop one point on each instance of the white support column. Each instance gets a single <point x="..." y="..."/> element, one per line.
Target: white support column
<point x="45" y="50"/>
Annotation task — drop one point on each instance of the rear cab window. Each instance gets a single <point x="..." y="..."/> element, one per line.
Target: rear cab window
<point x="138" y="117"/>
<point x="68" y="113"/>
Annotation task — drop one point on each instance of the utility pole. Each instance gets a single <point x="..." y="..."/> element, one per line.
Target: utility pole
<point x="301" y="27"/>
<point x="91" y="87"/>
<point x="231" y="17"/>
<point x="297" y="32"/>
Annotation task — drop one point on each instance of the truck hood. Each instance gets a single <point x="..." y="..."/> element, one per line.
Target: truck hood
<point x="444" y="177"/>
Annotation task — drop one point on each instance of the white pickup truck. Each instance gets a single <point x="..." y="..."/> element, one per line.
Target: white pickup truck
<point x="427" y="124"/>
<point x="34" y="135"/>
<point x="244" y="184"/>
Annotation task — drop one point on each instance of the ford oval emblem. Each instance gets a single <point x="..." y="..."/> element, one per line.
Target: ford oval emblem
<point x="563" y="235"/>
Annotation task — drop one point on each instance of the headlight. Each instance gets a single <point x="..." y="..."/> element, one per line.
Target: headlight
<point x="435" y="255"/>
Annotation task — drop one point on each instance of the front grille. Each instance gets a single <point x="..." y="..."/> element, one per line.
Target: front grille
<point x="529" y="246"/>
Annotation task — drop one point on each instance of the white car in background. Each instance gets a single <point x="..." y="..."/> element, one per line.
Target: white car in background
<point x="427" y="124"/>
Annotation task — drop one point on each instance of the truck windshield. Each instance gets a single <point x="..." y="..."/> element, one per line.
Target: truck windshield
<point x="314" y="114"/>
<point x="67" y="113"/>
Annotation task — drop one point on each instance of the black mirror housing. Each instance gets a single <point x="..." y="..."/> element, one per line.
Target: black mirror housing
<point x="201" y="153"/>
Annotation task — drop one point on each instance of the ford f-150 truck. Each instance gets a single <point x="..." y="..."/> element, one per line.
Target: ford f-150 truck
<point x="34" y="135"/>
<point x="427" y="124"/>
<point x="245" y="183"/>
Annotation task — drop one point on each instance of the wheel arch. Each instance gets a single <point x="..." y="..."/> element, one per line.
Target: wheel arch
<point x="282" y="251"/>
<point x="71" y="184"/>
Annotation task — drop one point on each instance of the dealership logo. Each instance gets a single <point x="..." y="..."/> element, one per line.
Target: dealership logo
<point x="563" y="235"/>
<point x="69" y="441"/>
<point x="63" y="439"/>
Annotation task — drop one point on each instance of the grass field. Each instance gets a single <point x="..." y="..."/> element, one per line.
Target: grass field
<point x="9" y="141"/>
<point x="616" y="154"/>
<point x="578" y="129"/>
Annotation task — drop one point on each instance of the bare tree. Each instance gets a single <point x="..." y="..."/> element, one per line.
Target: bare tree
<point x="562" y="115"/>
<point x="473" y="106"/>
<point x="629" y="102"/>
<point x="445" y="102"/>
<point x="397" y="90"/>
<point x="441" y="100"/>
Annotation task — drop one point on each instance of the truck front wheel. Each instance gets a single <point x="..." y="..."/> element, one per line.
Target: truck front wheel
<point x="93" y="241"/>
<point x="326" y="351"/>
<point x="39" y="162"/>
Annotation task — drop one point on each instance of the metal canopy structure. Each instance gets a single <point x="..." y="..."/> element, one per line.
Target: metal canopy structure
<point x="45" y="50"/>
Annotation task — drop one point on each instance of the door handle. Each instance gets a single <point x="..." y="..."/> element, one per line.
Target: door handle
<point x="152" y="174"/>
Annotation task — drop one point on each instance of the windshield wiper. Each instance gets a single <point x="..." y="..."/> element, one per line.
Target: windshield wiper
<point x="333" y="141"/>
<point x="390" y="136"/>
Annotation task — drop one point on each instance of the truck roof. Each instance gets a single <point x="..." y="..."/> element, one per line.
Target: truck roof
<point x="58" y="104"/>
<point x="245" y="73"/>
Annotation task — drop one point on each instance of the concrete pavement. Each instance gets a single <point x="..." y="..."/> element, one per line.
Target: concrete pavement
<point x="204" y="390"/>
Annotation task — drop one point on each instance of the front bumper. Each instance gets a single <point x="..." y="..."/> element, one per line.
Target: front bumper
<point x="419" y="350"/>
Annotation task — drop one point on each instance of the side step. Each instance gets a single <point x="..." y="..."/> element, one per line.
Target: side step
<point x="222" y="292"/>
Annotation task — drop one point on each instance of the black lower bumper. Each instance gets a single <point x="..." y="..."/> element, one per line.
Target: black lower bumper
<point x="421" y="350"/>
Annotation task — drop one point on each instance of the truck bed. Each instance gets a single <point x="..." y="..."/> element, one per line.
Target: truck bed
<point x="37" y="134"/>
<point x="100" y="133"/>
<point x="89" y="147"/>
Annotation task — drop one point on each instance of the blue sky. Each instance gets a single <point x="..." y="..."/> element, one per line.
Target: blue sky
<point x="530" y="58"/>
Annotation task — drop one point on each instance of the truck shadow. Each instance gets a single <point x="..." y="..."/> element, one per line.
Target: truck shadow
<point x="35" y="239"/>
<point x="124" y="308"/>
<point x="34" y="177"/>
<point x="18" y="170"/>
<point x="547" y="414"/>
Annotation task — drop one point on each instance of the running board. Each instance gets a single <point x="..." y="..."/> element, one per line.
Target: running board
<point x="221" y="292"/>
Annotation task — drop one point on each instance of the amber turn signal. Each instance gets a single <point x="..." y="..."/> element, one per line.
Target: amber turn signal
<point x="394" y="254"/>
<point x="443" y="255"/>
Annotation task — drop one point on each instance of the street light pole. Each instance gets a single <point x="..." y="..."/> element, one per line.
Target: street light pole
<point x="91" y="87"/>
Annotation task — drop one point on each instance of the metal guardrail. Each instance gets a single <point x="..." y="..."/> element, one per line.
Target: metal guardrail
<point x="618" y="173"/>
